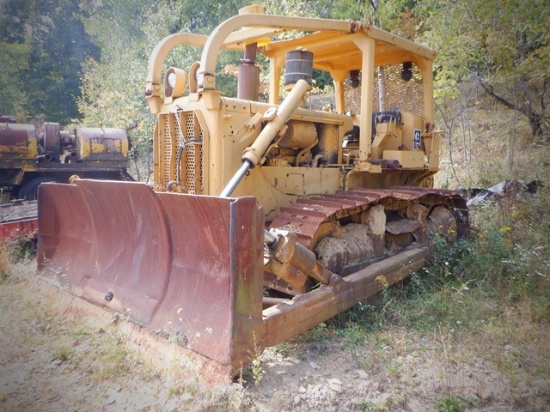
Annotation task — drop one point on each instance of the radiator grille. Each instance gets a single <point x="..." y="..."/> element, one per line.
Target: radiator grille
<point x="167" y="166"/>
<point x="181" y="152"/>
<point x="193" y="180"/>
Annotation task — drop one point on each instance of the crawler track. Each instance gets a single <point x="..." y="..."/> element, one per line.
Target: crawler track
<point x="306" y="215"/>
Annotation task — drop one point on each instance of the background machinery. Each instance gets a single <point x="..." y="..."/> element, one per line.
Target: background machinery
<point x="267" y="215"/>
<point x="29" y="157"/>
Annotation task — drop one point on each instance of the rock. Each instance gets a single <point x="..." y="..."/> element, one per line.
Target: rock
<point x="385" y="398"/>
<point x="415" y="405"/>
<point x="314" y="366"/>
<point x="301" y="389"/>
<point x="186" y="397"/>
<point x="541" y="384"/>
<point x="522" y="387"/>
<point x="335" y="385"/>
<point x="487" y="395"/>
<point x="297" y="400"/>
<point x="508" y="348"/>
<point x="362" y="374"/>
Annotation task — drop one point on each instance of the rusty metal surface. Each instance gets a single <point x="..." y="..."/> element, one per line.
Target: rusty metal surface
<point x="187" y="267"/>
<point x="18" y="219"/>
<point x="191" y="267"/>
<point x="50" y="139"/>
<point x="15" y="140"/>
<point x="287" y="319"/>
<point x="18" y="229"/>
<point x="101" y="143"/>
<point x="306" y="215"/>
<point x="16" y="134"/>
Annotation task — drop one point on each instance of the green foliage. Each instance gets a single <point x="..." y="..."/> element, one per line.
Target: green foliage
<point x="63" y="353"/>
<point x="112" y="86"/>
<point x="505" y="261"/>
<point x="450" y="403"/>
<point x="12" y="252"/>
<point x="15" y="51"/>
<point x="319" y="335"/>
<point x="203" y="16"/>
<point x="43" y="47"/>
<point x="257" y="371"/>
<point x="504" y="45"/>
<point x="283" y="349"/>
<point x="319" y="9"/>
<point x="14" y="57"/>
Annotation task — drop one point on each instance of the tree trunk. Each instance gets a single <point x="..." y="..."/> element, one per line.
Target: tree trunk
<point x="535" y="119"/>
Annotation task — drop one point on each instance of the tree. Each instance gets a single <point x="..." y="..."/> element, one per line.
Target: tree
<point x="325" y="9"/>
<point x="503" y="45"/>
<point x="203" y="16"/>
<point x="14" y="55"/>
<point x="126" y="31"/>
<point x="44" y="45"/>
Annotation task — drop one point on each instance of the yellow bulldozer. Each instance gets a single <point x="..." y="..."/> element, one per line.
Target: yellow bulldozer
<point x="270" y="212"/>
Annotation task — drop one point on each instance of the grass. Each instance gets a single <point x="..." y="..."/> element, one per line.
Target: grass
<point x="479" y="296"/>
<point x="448" y="403"/>
<point x="48" y="339"/>
<point x="486" y="297"/>
<point x="62" y="353"/>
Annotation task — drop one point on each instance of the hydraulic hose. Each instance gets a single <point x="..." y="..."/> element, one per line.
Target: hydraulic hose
<point x="253" y="154"/>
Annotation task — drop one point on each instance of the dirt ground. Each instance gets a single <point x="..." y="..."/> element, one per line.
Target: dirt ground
<point x="53" y="358"/>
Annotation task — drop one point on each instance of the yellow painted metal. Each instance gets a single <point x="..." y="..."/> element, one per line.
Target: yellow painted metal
<point x="366" y="45"/>
<point x="413" y="125"/>
<point x="408" y="159"/>
<point x="223" y="130"/>
<point x="232" y="125"/>
<point x="432" y="144"/>
<point x="101" y="143"/>
<point x="278" y="157"/>
<point x="18" y="141"/>
<point x="389" y="136"/>
<point x="275" y="121"/>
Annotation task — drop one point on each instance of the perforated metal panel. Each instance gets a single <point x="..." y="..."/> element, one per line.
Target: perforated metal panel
<point x="193" y="155"/>
<point x="181" y="132"/>
<point x="166" y="145"/>
<point x="399" y="94"/>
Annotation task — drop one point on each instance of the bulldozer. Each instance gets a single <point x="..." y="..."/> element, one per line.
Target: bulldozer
<point x="271" y="211"/>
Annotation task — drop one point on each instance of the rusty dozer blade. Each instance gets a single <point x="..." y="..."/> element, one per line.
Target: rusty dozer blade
<point x="188" y="267"/>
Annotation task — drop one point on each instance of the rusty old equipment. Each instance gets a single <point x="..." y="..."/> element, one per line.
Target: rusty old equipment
<point x="268" y="215"/>
<point x="30" y="156"/>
